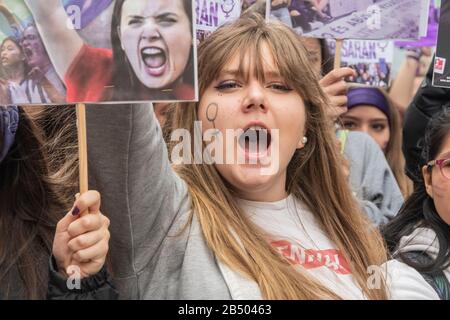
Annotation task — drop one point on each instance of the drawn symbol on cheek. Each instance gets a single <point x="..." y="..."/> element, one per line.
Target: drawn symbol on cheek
<point x="211" y="114"/>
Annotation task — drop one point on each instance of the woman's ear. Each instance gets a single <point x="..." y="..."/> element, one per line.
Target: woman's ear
<point x="427" y="180"/>
<point x="303" y="141"/>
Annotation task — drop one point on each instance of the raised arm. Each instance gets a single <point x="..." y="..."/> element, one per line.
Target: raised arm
<point x="402" y="87"/>
<point x="62" y="42"/>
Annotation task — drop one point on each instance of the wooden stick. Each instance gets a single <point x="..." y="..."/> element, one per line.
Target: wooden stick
<point x="337" y="55"/>
<point x="82" y="147"/>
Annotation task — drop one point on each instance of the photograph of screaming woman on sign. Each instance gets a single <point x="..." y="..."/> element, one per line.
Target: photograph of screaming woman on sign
<point x="111" y="51"/>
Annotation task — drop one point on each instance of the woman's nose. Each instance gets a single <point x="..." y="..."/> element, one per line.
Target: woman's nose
<point x="255" y="97"/>
<point x="365" y="129"/>
<point x="151" y="31"/>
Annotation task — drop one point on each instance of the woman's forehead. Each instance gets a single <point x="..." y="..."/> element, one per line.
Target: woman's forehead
<point x="367" y="111"/>
<point x="9" y="43"/>
<point x="151" y="8"/>
<point x="252" y="63"/>
<point x="444" y="151"/>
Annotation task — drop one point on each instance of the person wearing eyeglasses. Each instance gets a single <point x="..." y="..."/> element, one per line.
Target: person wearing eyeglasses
<point x="420" y="234"/>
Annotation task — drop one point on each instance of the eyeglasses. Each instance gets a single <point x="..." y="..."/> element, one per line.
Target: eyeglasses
<point x="444" y="166"/>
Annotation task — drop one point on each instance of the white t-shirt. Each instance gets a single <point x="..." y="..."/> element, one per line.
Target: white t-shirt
<point x="293" y="230"/>
<point x="27" y="92"/>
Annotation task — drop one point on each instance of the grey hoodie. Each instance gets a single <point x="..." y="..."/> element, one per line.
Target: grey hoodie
<point x="371" y="178"/>
<point x="422" y="240"/>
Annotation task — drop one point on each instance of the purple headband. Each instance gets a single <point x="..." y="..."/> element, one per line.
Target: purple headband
<point x="368" y="96"/>
<point x="9" y="121"/>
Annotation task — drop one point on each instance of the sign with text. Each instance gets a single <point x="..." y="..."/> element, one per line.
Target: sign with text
<point x="371" y="59"/>
<point x="358" y="19"/>
<point x="211" y="14"/>
<point x="441" y="76"/>
<point x="103" y="51"/>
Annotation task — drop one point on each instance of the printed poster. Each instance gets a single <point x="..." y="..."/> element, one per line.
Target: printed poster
<point x="371" y="59"/>
<point x="102" y="51"/>
<point x="353" y="19"/>
<point x="441" y="76"/>
<point x="211" y="14"/>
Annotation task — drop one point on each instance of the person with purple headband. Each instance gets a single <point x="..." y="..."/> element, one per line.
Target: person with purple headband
<point x="368" y="111"/>
<point x="369" y="174"/>
<point x="39" y="246"/>
<point x="371" y="111"/>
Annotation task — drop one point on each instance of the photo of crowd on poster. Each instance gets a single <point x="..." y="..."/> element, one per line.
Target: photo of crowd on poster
<point x="362" y="19"/>
<point x="107" y="51"/>
<point x="371" y="59"/>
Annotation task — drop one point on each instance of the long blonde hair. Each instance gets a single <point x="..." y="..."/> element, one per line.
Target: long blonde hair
<point x="314" y="174"/>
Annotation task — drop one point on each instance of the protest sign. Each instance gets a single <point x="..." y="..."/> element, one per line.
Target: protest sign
<point x="345" y="19"/>
<point x="104" y="51"/>
<point x="211" y="14"/>
<point x="431" y="37"/>
<point x="441" y="75"/>
<point x="371" y="59"/>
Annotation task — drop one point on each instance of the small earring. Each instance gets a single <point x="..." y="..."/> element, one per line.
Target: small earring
<point x="305" y="140"/>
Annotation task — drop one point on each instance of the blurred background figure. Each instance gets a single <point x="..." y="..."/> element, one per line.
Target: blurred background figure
<point x="410" y="76"/>
<point x="371" y="111"/>
<point x="420" y="234"/>
<point x="38" y="59"/>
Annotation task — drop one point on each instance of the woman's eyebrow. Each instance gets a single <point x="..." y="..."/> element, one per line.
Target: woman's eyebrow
<point x="378" y="120"/>
<point x="135" y="17"/>
<point x="166" y="15"/>
<point x="272" y="74"/>
<point x="230" y="72"/>
<point x="351" y="118"/>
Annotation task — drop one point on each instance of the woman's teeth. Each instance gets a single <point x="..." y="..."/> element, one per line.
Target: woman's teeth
<point x="153" y="57"/>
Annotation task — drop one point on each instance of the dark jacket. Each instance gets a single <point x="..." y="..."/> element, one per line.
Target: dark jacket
<point x="428" y="101"/>
<point x="97" y="287"/>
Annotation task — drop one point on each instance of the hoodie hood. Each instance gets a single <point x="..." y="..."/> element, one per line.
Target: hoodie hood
<point x="423" y="240"/>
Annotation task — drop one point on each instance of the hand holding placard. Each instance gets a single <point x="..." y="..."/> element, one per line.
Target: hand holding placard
<point x="81" y="238"/>
<point x="336" y="88"/>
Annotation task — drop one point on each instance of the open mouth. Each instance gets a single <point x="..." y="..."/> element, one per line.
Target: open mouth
<point x="28" y="52"/>
<point x="155" y="60"/>
<point x="255" y="142"/>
